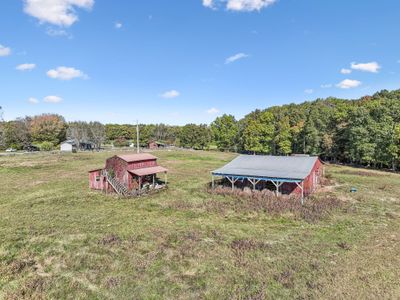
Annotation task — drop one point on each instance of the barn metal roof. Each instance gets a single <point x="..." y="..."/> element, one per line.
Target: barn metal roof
<point x="276" y="167"/>
<point x="136" y="157"/>
<point x="148" y="171"/>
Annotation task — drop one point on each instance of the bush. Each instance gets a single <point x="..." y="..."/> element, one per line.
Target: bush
<point x="46" y="146"/>
<point x="314" y="209"/>
<point x="121" y="142"/>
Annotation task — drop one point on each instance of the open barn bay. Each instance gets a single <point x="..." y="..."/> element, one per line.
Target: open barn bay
<point x="61" y="240"/>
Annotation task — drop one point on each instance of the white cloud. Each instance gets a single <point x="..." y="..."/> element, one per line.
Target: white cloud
<point x="4" y="51"/>
<point x="58" y="32"/>
<point x="235" y="57"/>
<point x="52" y="99"/>
<point x="65" y="73"/>
<point x="118" y="25"/>
<point x="239" y="5"/>
<point x="326" y="86"/>
<point x="208" y="3"/>
<point x="372" y="67"/>
<point x="309" y="91"/>
<point x="248" y="5"/>
<point x="170" y="94"/>
<point x="348" y="84"/>
<point x="33" y="100"/>
<point x="346" y="71"/>
<point x="25" y="67"/>
<point x="213" y="111"/>
<point x="57" y="12"/>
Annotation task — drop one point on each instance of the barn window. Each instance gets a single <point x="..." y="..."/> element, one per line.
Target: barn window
<point x="97" y="178"/>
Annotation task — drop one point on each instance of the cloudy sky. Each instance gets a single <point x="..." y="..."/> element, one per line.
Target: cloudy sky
<point x="189" y="61"/>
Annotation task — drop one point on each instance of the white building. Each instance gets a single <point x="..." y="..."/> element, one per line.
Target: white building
<point x="68" y="146"/>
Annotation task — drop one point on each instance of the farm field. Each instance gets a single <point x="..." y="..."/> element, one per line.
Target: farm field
<point x="59" y="240"/>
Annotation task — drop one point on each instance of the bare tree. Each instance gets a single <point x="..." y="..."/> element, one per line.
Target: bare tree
<point x="97" y="133"/>
<point x="78" y="132"/>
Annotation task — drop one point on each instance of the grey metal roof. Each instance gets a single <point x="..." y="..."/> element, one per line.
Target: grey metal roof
<point x="277" y="167"/>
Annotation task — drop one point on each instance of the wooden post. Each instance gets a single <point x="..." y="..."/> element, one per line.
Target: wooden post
<point x="212" y="181"/>
<point x="166" y="178"/>
<point x="154" y="181"/>
<point x="140" y="183"/>
<point x="301" y="186"/>
<point x="277" y="185"/>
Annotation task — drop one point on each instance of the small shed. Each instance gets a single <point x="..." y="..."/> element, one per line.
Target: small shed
<point x="128" y="174"/>
<point x="68" y="146"/>
<point x="155" y="145"/>
<point x="287" y="174"/>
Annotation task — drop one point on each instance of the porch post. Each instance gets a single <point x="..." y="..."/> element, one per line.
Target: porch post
<point x="301" y="186"/>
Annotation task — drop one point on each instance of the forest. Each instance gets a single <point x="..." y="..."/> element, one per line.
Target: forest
<point x="363" y="131"/>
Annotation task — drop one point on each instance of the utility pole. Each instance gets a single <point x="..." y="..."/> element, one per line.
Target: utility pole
<point x="137" y="137"/>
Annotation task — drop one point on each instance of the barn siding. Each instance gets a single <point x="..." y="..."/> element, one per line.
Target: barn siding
<point x="93" y="183"/>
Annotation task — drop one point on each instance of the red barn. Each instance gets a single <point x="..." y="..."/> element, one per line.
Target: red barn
<point x="299" y="174"/>
<point x="128" y="174"/>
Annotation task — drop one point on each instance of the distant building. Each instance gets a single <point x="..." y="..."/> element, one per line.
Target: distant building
<point x="128" y="174"/>
<point x="71" y="146"/>
<point x="153" y="145"/>
<point x="68" y="146"/>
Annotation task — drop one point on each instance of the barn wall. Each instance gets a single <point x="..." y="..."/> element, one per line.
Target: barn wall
<point x="153" y="145"/>
<point x="310" y="182"/>
<point x="120" y="167"/>
<point x="142" y="164"/>
<point x="93" y="183"/>
<point x="66" y="147"/>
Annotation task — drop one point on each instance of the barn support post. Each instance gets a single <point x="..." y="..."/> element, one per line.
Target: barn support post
<point x="277" y="185"/>
<point x="253" y="182"/>
<point x="301" y="186"/>
<point x="233" y="180"/>
<point x="212" y="181"/>
<point x="140" y="183"/>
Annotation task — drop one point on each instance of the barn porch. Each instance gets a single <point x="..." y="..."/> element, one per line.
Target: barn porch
<point x="146" y="178"/>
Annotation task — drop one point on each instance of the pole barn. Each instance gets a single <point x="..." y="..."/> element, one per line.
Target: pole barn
<point x="298" y="175"/>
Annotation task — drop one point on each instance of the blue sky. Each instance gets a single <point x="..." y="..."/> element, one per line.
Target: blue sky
<point x="181" y="61"/>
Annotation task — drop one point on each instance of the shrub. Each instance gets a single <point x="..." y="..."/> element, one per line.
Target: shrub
<point x="121" y="142"/>
<point x="46" y="146"/>
<point x="315" y="207"/>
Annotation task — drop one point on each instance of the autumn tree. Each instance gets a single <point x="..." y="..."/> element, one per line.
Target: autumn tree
<point x="48" y="128"/>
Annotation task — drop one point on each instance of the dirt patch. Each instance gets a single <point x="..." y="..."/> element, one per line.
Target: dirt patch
<point x="110" y="240"/>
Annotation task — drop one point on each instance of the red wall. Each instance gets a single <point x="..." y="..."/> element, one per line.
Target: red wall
<point x="309" y="182"/>
<point x="93" y="183"/>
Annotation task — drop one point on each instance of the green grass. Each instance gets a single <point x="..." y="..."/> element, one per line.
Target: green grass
<point x="60" y="240"/>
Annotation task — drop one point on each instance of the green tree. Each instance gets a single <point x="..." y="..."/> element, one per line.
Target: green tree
<point x="283" y="138"/>
<point x="225" y="132"/>
<point x="259" y="133"/>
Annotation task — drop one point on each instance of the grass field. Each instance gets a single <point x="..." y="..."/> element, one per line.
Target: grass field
<point x="59" y="240"/>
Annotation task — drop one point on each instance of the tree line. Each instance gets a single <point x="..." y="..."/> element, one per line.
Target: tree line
<point x="363" y="131"/>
